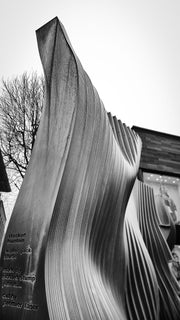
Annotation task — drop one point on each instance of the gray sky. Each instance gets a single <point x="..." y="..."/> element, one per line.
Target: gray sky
<point x="130" y="50"/>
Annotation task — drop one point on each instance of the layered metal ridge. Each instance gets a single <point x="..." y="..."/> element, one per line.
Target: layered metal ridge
<point x="142" y="292"/>
<point x="85" y="248"/>
<point x="64" y="255"/>
<point x="169" y="289"/>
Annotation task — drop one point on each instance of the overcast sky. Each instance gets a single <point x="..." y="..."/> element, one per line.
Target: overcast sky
<point x="130" y="50"/>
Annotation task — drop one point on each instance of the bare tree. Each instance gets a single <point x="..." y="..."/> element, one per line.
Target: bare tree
<point x="21" y="103"/>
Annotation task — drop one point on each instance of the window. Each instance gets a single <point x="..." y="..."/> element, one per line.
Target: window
<point x="166" y="191"/>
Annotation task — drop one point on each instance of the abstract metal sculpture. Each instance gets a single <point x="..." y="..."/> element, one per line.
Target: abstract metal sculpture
<point x="142" y="295"/>
<point x="72" y="251"/>
<point x="160" y="254"/>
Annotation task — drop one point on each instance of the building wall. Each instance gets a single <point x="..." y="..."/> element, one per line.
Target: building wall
<point x="160" y="152"/>
<point x="161" y="156"/>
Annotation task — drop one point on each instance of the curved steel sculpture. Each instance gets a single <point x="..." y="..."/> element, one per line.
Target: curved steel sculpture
<point x="166" y="223"/>
<point x="169" y="289"/>
<point x="142" y="292"/>
<point x="63" y="256"/>
<point x="72" y="251"/>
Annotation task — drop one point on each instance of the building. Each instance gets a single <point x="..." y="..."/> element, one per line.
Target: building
<point x="160" y="168"/>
